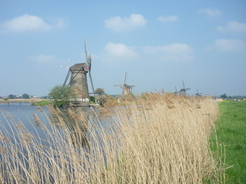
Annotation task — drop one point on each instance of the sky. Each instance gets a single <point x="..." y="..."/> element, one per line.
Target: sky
<point x="158" y="43"/>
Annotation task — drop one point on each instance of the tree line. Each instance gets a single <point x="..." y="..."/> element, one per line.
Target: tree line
<point x="24" y="96"/>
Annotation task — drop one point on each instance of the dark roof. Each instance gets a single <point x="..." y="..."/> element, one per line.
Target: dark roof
<point x="79" y="66"/>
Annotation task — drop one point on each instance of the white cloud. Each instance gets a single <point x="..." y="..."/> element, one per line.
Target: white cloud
<point x="229" y="45"/>
<point x="119" y="50"/>
<point x="115" y="53"/>
<point x="210" y="12"/>
<point x="167" y="18"/>
<point x="176" y="52"/>
<point x="45" y="59"/>
<point x="119" y="24"/>
<point x="28" y="23"/>
<point x="233" y="26"/>
<point x="118" y="54"/>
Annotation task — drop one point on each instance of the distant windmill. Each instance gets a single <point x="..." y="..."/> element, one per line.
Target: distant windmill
<point x="126" y="89"/>
<point x="198" y="94"/>
<point x="176" y="91"/>
<point x="183" y="91"/>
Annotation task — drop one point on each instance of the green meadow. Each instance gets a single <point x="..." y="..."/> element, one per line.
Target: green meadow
<point x="231" y="136"/>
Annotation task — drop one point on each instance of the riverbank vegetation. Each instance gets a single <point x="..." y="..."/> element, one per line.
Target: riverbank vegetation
<point x="31" y="101"/>
<point x="44" y="103"/>
<point x="155" y="138"/>
<point x="61" y="95"/>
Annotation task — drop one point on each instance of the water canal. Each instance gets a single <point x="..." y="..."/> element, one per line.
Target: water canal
<point x="16" y="114"/>
<point x="33" y="137"/>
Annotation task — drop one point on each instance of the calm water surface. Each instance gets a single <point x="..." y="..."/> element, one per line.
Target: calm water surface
<point x="15" y="114"/>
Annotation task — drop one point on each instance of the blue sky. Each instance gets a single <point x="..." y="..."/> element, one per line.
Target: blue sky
<point x="158" y="43"/>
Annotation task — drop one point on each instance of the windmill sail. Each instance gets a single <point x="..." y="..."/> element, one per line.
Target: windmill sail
<point x="88" y="60"/>
<point x="183" y="91"/>
<point x="198" y="94"/>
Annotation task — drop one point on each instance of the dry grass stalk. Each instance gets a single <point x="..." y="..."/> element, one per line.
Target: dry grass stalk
<point x="158" y="138"/>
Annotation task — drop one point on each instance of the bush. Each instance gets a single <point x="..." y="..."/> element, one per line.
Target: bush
<point x="60" y="95"/>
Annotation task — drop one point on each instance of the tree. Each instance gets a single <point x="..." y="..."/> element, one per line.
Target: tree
<point x="60" y="95"/>
<point x="92" y="99"/>
<point x="12" y="96"/>
<point x="99" y="91"/>
<point x="25" y="96"/>
<point x="224" y="96"/>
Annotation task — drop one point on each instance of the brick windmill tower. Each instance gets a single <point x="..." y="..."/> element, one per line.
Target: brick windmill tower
<point x="78" y="81"/>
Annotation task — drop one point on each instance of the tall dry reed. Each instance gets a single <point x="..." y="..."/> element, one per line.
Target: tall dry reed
<point x="155" y="138"/>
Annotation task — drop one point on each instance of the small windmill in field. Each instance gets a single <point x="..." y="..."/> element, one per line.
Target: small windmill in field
<point x="197" y="93"/>
<point x="183" y="91"/>
<point x="126" y="89"/>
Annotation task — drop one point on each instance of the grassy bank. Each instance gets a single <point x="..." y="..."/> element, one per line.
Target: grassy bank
<point x="153" y="139"/>
<point x="44" y="102"/>
<point x="231" y="132"/>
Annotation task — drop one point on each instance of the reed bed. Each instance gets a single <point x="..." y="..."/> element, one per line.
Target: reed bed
<point x="155" y="138"/>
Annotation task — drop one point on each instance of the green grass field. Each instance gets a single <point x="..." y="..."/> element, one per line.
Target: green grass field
<point x="231" y="133"/>
<point x="43" y="102"/>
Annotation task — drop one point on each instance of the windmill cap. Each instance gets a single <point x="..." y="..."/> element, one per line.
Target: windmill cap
<point x="79" y="66"/>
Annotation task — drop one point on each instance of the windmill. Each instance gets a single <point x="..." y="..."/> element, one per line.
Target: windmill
<point x="183" y="91"/>
<point x="78" y="79"/>
<point x="126" y="89"/>
<point x="197" y="93"/>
